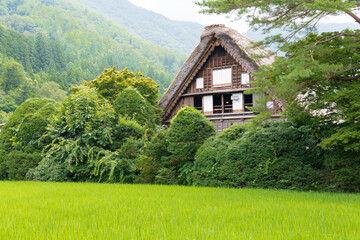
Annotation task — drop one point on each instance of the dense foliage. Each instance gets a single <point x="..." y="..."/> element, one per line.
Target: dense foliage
<point x="277" y="155"/>
<point x="90" y="138"/>
<point x="21" y="139"/>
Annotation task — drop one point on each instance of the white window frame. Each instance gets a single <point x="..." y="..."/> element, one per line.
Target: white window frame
<point x="245" y="78"/>
<point x="222" y="77"/>
<point x="208" y="104"/>
<point x="199" y="83"/>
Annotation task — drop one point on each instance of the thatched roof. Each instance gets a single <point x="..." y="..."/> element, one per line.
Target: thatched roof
<point x="239" y="47"/>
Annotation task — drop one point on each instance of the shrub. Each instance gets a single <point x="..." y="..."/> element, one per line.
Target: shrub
<point x="212" y="167"/>
<point x="187" y="132"/>
<point x="18" y="163"/>
<point x="81" y="128"/>
<point x="32" y="111"/>
<point x="276" y="155"/>
<point x="49" y="171"/>
<point x="234" y="132"/>
<point x="157" y="148"/>
<point x="166" y="176"/>
<point x="343" y="170"/>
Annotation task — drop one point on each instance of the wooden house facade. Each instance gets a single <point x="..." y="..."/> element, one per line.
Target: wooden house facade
<point x="214" y="78"/>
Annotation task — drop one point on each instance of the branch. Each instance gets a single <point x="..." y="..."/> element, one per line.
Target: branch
<point x="286" y="12"/>
<point x="354" y="16"/>
<point x="346" y="79"/>
<point x="328" y="40"/>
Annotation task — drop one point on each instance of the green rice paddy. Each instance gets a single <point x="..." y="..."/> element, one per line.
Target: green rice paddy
<point x="31" y="210"/>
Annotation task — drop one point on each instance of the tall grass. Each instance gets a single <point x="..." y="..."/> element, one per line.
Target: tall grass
<point x="30" y="210"/>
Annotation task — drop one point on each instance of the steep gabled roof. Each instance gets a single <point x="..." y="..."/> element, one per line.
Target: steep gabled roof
<point x="237" y="45"/>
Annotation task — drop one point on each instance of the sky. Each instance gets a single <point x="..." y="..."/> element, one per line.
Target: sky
<point x="186" y="10"/>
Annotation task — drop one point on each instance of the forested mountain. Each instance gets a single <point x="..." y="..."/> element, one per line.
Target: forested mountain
<point x="55" y="42"/>
<point x="181" y="37"/>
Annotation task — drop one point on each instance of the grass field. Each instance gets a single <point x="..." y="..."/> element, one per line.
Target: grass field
<point x="30" y="210"/>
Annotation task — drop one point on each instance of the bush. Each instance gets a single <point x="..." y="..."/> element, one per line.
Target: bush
<point x="277" y="155"/>
<point x="49" y="171"/>
<point x="212" y="169"/>
<point x="166" y="176"/>
<point x="187" y="132"/>
<point x="342" y="170"/>
<point x="157" y="148"/>
<point x="234" y="132"/>
<point x="3" y="168"/>
<point x="31" y="118"/>
<point x="18" y="163"/>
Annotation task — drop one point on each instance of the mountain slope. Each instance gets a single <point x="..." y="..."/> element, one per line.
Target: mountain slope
<point x="181" y="37"/>
<point x="94" y="42"/>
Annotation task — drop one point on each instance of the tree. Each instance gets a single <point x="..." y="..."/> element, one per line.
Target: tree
<point x="290" y="16"/>
<point x="13" y="75"/>
<point x="318" y="77"/>
<point x="80" y="131"/>
<point x="111" y="82"/>
<point x="52" y="90"/>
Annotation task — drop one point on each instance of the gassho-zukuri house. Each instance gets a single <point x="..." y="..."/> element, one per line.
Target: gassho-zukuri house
<point x="214" y="78"/>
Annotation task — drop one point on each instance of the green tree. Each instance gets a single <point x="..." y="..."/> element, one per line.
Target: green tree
<point x="13" y="75"/>
<point x="111" y="82"/>
<point x="52" y="90"/>
<point x="80" y="131"/>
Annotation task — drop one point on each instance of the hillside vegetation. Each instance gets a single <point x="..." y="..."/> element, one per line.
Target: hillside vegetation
<point x="92" y="42"/>
<point x="181" y="37"/>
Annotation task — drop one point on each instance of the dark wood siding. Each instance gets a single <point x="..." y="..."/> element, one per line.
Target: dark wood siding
<point x="219" y="59"/>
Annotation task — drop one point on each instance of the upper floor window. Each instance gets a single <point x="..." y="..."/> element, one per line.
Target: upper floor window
<point x="199" y="83"/>
<point x="222" y="77"/>
<point x="245" y="78"/>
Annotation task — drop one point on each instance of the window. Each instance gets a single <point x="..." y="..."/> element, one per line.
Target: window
<point x="223" y="103"/>
<point x="208" y="104"/>
<point x="217" y="104"/>
<point x="198" y="103"/>
<point x="245" y="78"/>
<point x="199" y="83"/>
<point x="248" y="101"/>
<point x="237" y="102"/>
<point x="222" y="77"/>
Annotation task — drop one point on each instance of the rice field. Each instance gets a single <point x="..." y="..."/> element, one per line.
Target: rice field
<point x="31" y="210"/>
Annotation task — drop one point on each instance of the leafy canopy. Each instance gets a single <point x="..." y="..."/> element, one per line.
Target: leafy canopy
<point x="112" y="82"/>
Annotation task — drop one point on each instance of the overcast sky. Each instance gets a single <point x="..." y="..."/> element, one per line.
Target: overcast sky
<point x="186" y="10"/>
